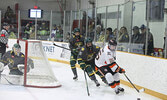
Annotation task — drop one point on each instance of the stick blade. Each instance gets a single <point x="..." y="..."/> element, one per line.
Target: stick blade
<point x="142" y="90"/>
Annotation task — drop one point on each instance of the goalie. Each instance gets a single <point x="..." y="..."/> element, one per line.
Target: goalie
<point x="105" y="62"/>
<point x="15" y="60"/>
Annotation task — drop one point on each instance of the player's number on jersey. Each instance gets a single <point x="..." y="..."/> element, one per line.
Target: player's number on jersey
<point x="100" y="52"/>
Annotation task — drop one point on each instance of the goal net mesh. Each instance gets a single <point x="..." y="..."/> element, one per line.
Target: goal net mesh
<point x="42" y="74"/>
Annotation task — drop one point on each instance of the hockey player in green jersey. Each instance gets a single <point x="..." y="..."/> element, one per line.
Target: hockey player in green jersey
<point x="75" y="44"/>
<point x="15" y="60"/>
<point x="86" y="59"/>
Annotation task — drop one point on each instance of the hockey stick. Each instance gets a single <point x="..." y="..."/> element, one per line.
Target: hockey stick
<point x="139" y="91"/>
<point x="60" y="46"/>
<point x="86" y="83"/>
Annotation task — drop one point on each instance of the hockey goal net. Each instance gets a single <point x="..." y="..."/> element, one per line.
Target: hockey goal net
<point x="41" y="75"/>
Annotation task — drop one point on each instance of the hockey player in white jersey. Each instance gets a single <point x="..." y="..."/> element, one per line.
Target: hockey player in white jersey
<point x="105" y="62"/>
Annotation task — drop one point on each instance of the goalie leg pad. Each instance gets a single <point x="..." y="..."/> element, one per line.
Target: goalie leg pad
<point x="1" y="67"/>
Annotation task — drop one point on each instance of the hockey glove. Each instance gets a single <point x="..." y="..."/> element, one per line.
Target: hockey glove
<point x="121" y="70"/>
<point x="82" y="64"/>
<point x="74" y="51"/>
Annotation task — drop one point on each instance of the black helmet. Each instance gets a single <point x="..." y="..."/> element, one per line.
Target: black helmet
<point x="5" y="24"/>
<point x="76" y="30"/>
<point x="112" y="42"/>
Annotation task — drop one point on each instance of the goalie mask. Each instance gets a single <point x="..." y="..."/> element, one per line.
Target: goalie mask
<point x="16" y="49"/>
<point x="112" y="44"/>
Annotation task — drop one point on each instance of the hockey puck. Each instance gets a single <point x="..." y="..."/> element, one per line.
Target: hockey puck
<point x="138" y="99"/>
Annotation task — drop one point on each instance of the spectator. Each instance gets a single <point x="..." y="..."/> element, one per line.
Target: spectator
<point x="59" y="34"/>
<point x="4" y="39"/>
<point x="32" y="32"/>
<point x="136" y="37"/>
<point x="12" y="32"/>
<point x="123" y="35"/>
<point x="9" y="15"/>
<point x="91" y="32"/>
<point x="54" y="31"/>
<point x="83" y="31"/>
<point x="110" y="34"/>
<point x="67" y="37"/>
<point x="98" y="31"/>
<point x="27" y="31"/>
<point x="101" y="37"/>
<point x="150" y="42"/>
<point x="115" y="32"/>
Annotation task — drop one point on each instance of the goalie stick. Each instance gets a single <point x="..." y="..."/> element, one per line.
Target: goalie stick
<point x="6" y="79"/>
<point x="139" y="91"/>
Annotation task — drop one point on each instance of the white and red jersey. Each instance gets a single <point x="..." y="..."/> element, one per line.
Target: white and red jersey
<point x="105" y="57"/>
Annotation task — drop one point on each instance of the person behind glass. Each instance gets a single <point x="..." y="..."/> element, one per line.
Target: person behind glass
<point x="98" y="31"/>
<point x="53" y="33"/>
<point x="27" y="31"/>
<point x="115" y="32"/>
<point x="9" y="14"/>
<point x="91" y="32"/>
<point x="136" y="37"/>
<point x="150" y="42"/>
<point x="123" y="35"/>
<point x="110" y="34"/>
<point x="4" y="39"/>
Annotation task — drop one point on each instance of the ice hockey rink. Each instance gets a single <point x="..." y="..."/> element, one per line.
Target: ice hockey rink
<point x="70" y="89"/>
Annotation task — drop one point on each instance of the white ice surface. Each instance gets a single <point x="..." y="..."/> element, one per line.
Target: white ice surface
<point x="70" y="89"/>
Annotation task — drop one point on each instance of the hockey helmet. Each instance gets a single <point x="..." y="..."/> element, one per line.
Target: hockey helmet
<point x="16" y="49"/>
<point x="88" y="43"/>
<point x="76" y="30"/>
<point x="6" y="24"/>
<point x="88" y="40"/>
<point x="112" y="44"/>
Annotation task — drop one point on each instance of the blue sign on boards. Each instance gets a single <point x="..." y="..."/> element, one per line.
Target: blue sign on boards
<point x="48" y="48"/>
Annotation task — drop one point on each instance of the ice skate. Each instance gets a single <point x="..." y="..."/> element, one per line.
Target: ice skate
<point x="75" y="77"/>
<point x="97" y="83"/>
<point x="121" y="89"/>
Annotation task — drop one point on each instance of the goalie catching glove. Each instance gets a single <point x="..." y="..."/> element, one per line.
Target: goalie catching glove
<point x="21" y="68"/>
